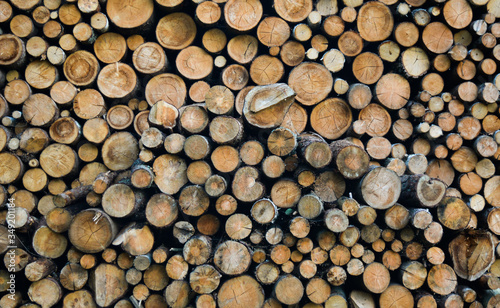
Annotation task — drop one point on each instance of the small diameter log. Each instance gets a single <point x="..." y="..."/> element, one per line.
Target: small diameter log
<point x="204" y="279"/>
<point x="234" y="12"/>
<point x="161" y="210"/>
<point x="329" y="186"/>
<point x="117" y="81"/>
<point x="135" y="239"/>
<point x="310" y="206"/>
<point x="376" y="277"/>
<point x="246" y="186"/>
<point x="453" y="213"/>
<point x="197" y="250"/>
<point x="193" y="200"/>
<point x="81" y="68"/>
<point x="226" y="130"/>
<point x="314" y="150"/>
<point x="71" y="196"/>
<point x="39" y="269"/>
<point x="15" y="50"/>
<point x="170" y="173"/>
<point x="396" y="295"/>
<point x="194" y="63"/>
<point x="73" y="277"/>
<point x="48" y="113"/>
<point x="442" y="279"/>
<point x="168" y="87"/>
<point x="317" y="77"/>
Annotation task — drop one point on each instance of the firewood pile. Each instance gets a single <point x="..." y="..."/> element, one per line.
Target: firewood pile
<point x="246" y="153"/>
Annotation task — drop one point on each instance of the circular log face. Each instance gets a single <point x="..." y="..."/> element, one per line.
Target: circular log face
<point x="311" y="81"/>
<point x="14" y="48"/>
<point x="81" y="68"/>
<point x="91" y="233"/>
<point x="253" y="153"/>
<point x="241" y="292"/>
<point x="167" y="87"/>
<point x="243" y="15"/>
<point x="375" y="21"/>
<point x="129" y="14"/>
<point x="232" y="258"/>
<point x="381" y="188"/>
<point x="331" y="118"/>
<point x="58" y="160"/>
<point x="176" y="31"/>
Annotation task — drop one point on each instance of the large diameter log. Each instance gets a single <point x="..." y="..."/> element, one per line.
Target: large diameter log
<point x="311" y="81"/>
<point x="92" y="231"/>
<point x="472" y="253"/>
<point x="119" y="151"/>
<point x="232" y="258"/>
<point x="109" y="284"/>
<point x="331" y="118"/>
<point x="170" y="173"/>
<point x="46" y="292"/>
<point x="241" y="292"/>
<point x="380" y="188"/>
<point x="246" y="186"/>
<point x="422" y="190"/>
<point x="135" y="239"/>
<point x="266" y="106"/>
<point x="127" y="15"/>
<point x="453" y="213"/>
<point x="351" y="160"/>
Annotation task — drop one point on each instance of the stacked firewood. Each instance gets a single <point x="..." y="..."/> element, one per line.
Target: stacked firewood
<point x="246" y="153"/>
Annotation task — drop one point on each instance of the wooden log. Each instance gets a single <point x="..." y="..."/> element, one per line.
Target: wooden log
<point x="46" y="292"/>
<point x="82" y="234"/>
<point x="224" y="258"/>
<point x="106" y="293"/>
<point x="81" y="68"/>
<point x="318" y="78"/>
<point x="435" y="278"/>
<point x="462" y="252"/>
<point x="388" y="188"/>
<point x="266" y="106"/>
<point x="428" y="192"/>
<point x="168" y="87"/>
<point x="242" y="291"/>
<point x="197" y="250"/>
<point x="351" y="160"/>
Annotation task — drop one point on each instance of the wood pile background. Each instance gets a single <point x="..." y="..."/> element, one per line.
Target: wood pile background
<point x="248" y="153"/>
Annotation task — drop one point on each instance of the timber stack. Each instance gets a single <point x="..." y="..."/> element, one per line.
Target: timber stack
<point x="246" y="153"/>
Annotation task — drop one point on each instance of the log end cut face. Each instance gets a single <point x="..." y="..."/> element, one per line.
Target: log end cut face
<point x="266" y="106"/>
<point x="472" y="252"/>
<point x="241" y="292"/>
<point x="381" y="188"/>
